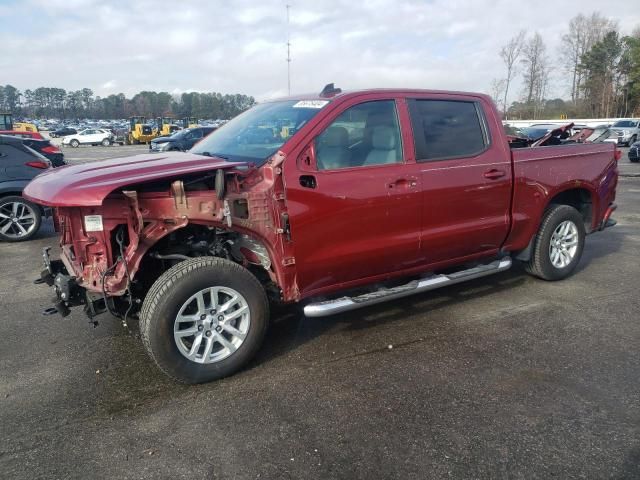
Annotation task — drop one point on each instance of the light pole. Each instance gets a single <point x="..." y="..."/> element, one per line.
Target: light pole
<point x="288" y="54"/>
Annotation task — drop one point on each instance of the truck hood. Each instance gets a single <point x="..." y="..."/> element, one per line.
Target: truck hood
<point x="88" y="184"/>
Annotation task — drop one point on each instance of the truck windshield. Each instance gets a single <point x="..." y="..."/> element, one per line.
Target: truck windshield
<point x="258" y="133"/>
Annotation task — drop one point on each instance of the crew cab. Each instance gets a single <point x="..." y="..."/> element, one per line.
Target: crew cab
<point x="357" y="198"/>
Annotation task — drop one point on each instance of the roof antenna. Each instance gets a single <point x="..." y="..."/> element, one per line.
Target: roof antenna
<point x="330" y="90"/>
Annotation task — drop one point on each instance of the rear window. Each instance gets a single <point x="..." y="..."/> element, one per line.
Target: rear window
<point x="447" y="129"/>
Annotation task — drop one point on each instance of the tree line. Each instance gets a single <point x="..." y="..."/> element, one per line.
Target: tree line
<point x="48" y="102"/>
<point x="597" y="64"/>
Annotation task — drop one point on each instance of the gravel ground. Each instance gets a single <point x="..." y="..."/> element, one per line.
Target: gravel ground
<point x="501" y="377"/>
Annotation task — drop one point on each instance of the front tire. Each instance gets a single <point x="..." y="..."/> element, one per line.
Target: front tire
<point x="19" y="219"/>
<point x="558" y="245"/>
<point x="74" y="143"/>
<point x="106" y="142"/>
<point x="204" y="319"/>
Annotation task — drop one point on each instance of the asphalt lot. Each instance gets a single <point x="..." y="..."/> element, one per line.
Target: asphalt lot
<point x="502" y="377"/>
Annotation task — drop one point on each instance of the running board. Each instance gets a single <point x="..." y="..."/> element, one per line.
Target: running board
<point x="343" y="304"/>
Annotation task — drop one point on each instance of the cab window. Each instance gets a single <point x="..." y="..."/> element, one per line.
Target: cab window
<point x="447" y="129"/>
<point x="364" y="135"/>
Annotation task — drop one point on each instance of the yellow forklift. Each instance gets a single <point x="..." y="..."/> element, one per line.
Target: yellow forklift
<point x="189" y="122"/>
<point x="7" y="123"/>
<point x="165" y="126"/>
<point x="139" y="131"/>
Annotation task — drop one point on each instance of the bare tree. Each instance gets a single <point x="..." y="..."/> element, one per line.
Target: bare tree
<point x="534" y="62"/>
<point x="583" y="33"/>
<point x="496" y="89"/>
<point x="510" y="54"/>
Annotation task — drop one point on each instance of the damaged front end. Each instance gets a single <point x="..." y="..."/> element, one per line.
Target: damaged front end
<point x="117" y="243"/>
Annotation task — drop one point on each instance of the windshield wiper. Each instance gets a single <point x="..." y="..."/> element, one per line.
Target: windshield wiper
<point x="209" y="154"/>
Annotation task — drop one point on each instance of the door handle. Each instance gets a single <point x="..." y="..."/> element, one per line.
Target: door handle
<point x="494" y="174"/>
<point x="308" y="181"/>
<point x="403" y="183"/>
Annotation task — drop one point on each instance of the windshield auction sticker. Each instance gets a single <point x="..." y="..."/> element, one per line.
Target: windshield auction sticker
<point x="311" y="104"/>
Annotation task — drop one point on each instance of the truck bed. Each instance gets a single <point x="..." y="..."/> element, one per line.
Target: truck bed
<point x="539" y="173"/>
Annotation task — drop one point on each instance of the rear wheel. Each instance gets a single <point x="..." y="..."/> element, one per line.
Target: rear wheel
<point x="558" y="245"/>
<point x="204" y="319"/>
<point x="19" y="219"/>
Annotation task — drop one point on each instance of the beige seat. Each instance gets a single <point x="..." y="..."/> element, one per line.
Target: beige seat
<point x="333" y="149"/>
<point x="384" y="143"/>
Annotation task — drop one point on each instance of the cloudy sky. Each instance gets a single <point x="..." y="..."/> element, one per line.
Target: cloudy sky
<point x="240" y="46"/>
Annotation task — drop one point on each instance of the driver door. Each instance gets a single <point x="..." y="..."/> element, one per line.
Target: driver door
<point x="354" y="202"/>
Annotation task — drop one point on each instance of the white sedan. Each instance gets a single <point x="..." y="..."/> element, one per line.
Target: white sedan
<point x="89" y="136"/>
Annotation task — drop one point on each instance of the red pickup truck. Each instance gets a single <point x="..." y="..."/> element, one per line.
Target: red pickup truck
<point x="338" y="200"/>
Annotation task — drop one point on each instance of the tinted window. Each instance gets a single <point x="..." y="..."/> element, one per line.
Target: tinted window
<point x="363" y="135"/>
<point x="446" y="129"/>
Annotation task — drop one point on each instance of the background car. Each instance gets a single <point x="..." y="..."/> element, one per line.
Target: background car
<point x="626" y="131"/>
<point x="20" y="134"/>
<point x="63" y="132"/>
<point x="534" y="132"/>
<point x="19" y="218"/>
<point x="46" y="149"/>
<point x="634" y="153"/>
<point x="180" y="141"/>
<point x="90" y="136"/>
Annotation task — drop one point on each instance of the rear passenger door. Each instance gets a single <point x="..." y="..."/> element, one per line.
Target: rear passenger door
<point x="465" y="175"/>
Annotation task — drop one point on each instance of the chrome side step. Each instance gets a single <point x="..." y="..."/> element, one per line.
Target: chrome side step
<point x="343" y="304"/>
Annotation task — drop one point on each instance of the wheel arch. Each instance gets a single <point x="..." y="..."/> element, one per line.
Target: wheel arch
<point x="582" y="198"/>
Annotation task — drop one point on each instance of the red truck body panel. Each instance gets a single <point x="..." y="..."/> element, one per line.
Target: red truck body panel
<point x="357" y="225"/>
<point x="88" y="184"/>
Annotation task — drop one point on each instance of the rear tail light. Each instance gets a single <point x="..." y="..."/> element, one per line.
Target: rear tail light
<point x="38" y="164"/>
<point x="51" y="149"/>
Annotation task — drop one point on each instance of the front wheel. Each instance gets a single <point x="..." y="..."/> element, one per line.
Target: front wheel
<point x="204" y="319"/>
<point x="558" y="245"/>
<point x="106" y="142"/>
<point x="74" y="143"/>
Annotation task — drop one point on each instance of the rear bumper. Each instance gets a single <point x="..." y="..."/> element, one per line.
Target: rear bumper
<point x="607" y="221"/>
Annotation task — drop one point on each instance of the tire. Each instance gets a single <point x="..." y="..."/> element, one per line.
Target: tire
<point x="544" y="263"/>
<point x="15" y="206"/>
<point x="175" y="292"/>
<point x="74" y="143"/>
<point x="106" y="142"/>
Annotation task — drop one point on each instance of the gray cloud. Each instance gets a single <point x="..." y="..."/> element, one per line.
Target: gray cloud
<point x="239" y="46"/>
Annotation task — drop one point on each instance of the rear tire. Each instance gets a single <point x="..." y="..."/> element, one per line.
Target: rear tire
<point x="173" y="296"/>
<point x="558" y="245"/>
